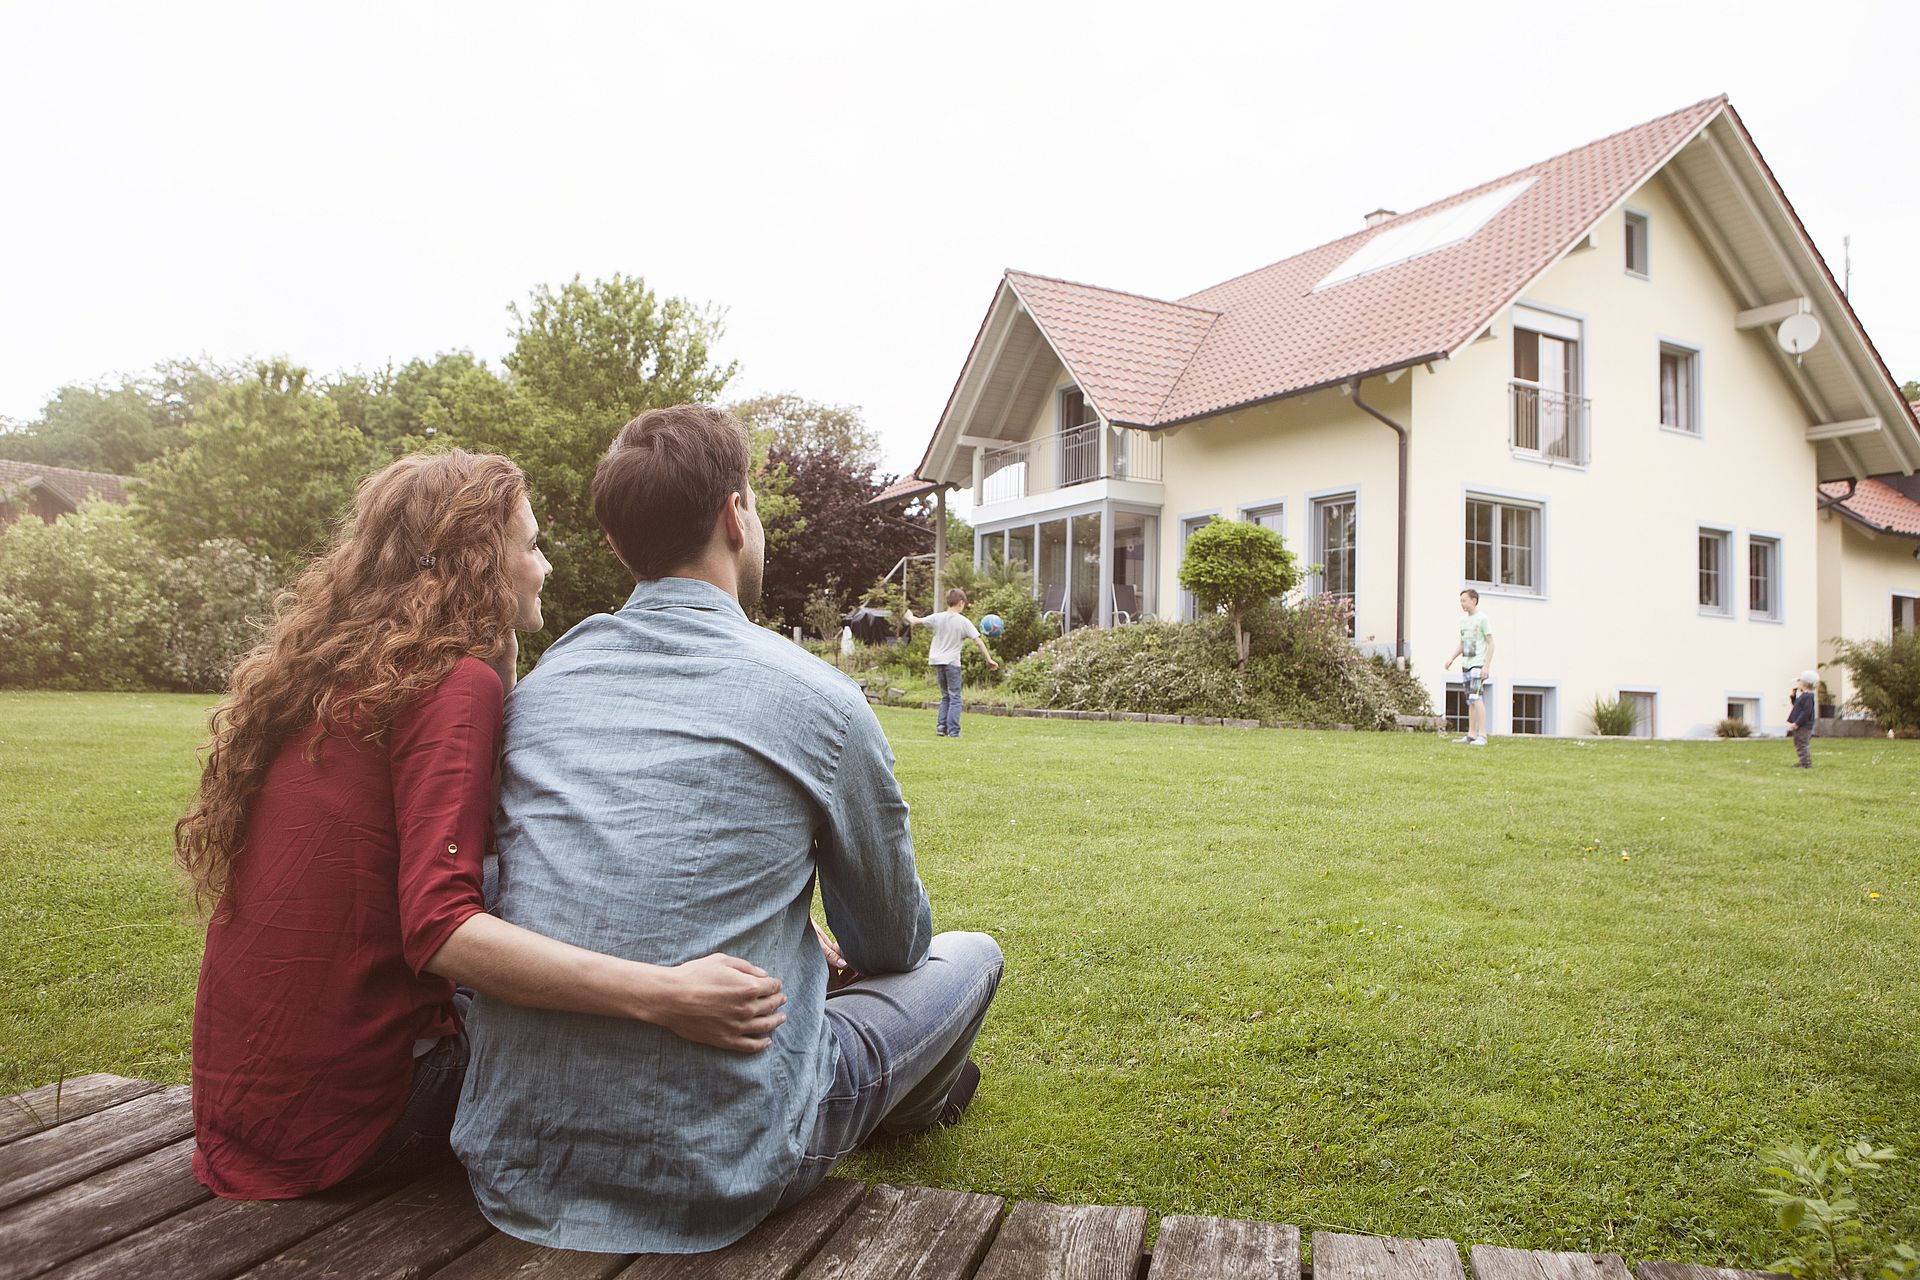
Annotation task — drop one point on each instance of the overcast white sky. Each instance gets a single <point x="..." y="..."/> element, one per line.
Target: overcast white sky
<point x="355" y="184"/>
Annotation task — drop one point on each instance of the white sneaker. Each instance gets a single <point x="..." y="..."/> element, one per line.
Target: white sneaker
<point x="1476" y="742"/>
<point x="1462" y="738"/>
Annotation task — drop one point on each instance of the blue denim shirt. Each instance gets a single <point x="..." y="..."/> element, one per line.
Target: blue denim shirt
<point x="673" y="780"/>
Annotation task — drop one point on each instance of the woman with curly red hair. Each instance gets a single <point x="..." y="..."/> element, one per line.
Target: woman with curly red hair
<point x="339" y="833"/>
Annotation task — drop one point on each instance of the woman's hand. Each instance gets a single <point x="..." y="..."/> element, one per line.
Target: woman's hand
<point x="839" y="973"/>
<point x="722" y="1001"/>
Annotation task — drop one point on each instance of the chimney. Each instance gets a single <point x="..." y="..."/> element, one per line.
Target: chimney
<point x="1379" y="216"/>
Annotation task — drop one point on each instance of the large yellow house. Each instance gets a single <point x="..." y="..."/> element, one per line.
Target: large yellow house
<point x="1605" y="390"/>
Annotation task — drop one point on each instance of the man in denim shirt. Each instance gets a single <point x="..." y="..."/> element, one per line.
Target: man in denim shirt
<point x="674" y="779"/>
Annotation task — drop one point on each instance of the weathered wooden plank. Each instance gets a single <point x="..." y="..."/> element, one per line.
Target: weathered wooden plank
<point x="413" y="1232"/>
<point x="774" y="1250"/>
<point x="1223" y="1249"/>
<point x="1491" y="1262"/>
<point x="220" y="1238"/>
<point x="1067" y="1242"/>
<point x="1344" y="1257"/>
<point x="47" y="1230"/>
<point x="503" y="1257"/>
<point x="52" y="1104"/>
<point x="68" y="1152"/>
<point x="1688" y="1271"/>
<point x="909" y="1233"/>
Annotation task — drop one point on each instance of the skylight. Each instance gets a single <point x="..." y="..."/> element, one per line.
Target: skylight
<point x="1422" y="236"/>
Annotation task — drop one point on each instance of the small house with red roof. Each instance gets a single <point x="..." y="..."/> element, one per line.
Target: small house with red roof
<point x="1604" y="390"/>
<point x="29" y="489"/>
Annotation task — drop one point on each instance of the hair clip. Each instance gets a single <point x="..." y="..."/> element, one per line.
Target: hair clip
<point x="426" y="562"/>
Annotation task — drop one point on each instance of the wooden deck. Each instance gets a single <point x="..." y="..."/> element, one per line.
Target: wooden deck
<point x="96" y="1181"/>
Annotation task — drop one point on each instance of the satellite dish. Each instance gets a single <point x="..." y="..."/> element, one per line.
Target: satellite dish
<point x="1797" y="335"/>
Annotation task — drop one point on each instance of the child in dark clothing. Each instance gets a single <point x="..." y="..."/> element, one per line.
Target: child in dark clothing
<point x="1800" y="719"/>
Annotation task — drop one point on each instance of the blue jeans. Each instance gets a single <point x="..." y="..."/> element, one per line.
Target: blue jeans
<point x="903" y="1039"/>
<point x="419" y="1137"/>
<point x="948" y="674"/>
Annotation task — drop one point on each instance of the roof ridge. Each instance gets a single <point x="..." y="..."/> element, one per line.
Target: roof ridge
<point x="1125" y="293"/>
<point x="1432" y="205"/>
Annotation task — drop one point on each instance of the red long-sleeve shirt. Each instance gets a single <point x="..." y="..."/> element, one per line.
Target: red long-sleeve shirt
<point x="353" y="873"/>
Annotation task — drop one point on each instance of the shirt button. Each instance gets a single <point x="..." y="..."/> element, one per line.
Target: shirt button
<point x="453" y="848"/>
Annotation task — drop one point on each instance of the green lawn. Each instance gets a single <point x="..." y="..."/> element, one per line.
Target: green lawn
<point x="1350" y="981"/>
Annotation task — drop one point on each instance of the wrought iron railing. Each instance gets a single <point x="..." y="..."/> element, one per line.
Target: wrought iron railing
<point x="1067" y="458"/>
<point x="1548" y="424"/>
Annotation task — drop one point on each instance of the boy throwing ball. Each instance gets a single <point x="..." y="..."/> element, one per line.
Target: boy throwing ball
<point x="951" y="631"/>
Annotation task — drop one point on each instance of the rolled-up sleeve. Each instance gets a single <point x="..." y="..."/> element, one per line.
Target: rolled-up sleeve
<point x="443" y="749"/>
<point x="875" y="903"/>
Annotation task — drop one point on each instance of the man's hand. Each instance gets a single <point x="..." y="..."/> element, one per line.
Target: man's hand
<point x="722" y="1001"/>
<point x="838" y="973"/>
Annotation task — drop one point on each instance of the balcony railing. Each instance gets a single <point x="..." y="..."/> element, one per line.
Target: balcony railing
<point x="1067" y="458"/>
<point x="1548" y="424"/>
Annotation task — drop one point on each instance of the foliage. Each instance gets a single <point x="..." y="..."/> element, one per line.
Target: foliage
<point x="89" y="602"/>
<point x="793" y="424"/>
<point x="847" y="538"/>
<point x="1302" y="667"/>
<point x="1613" y="717"/>
<point x="80" y="604"/>
<point x="1733" y="727"/>
<point x="822" y="613"/>
<point x="267" y="462"/>
<point x="1886" y="678"/>
<point x="1911" y="390"/>
<point x="612" y="348"/>
<point x="1818" y="1202"/>
<point x="115" y="427"/>
<point x="1237" y="565"/>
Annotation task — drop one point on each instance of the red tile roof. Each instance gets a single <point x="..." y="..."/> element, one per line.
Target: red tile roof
<point x="1878" y="505"/>
<point x="74" y="486"/>
<point x="1269" y="333"/>
<point x="901" y="490"/>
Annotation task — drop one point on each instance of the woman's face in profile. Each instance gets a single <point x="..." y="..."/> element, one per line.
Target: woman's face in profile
<point x="527" y="567"/>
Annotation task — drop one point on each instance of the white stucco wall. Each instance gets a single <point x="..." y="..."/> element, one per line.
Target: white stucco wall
<point x="1859" y="576"/>
<point x="1619" y="606"/>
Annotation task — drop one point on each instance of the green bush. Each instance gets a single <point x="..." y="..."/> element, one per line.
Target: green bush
<point x="1301" y="666"/>
<point x="1613" y="718"/>
<point x="1733" y="727"/>
<point x="1238" y="566"/>
<point x="1886" y="678"/>
<point x="89" y="603"/>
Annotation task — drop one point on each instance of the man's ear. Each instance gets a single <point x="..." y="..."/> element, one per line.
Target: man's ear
<point x="733" y="521"/>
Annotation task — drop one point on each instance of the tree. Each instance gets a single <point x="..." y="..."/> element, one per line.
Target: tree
<point x="846" y="540"/>
<point x="267" y="462"/>
<point x="114" y="427"/>
<point x="613" y="348"/>
<point x="1886" y="678"/>
<point x="1236" y="565"/>
<point x="793" y="424"/>
<point x="1911" y="390"/>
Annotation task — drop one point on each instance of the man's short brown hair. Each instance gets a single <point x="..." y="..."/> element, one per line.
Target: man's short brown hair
<point x="663" y="482"/>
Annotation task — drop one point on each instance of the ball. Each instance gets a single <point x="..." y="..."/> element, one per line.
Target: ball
<point x="991" y="625"/>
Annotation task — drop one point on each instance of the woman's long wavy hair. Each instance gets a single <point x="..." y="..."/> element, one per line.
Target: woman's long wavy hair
<point x="416" y="578"/>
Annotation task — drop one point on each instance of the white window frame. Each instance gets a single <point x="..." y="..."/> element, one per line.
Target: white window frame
<point x="1189" y="524"/>
<point x="1446" y="717"/>
<point x="1912" y="610"/>
<point x="1316" y="554"/>
<point x="1645" y="220"/>
<point x="1724" y="534"/>
<point x="1549" y="705"/>
<point x="1754" y="702"/>
<point x="1696" y="374"/>
<point x="1778" y="613"/>
<point x="1652" y="694"/>
<point x="1568" y="326"/>
<point x="1276" y="507"/>
<point x="1499" y="498"/>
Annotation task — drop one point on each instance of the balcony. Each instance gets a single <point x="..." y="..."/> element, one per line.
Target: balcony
<point x="1060" y="461"/>
<point x="1546" y="424"/>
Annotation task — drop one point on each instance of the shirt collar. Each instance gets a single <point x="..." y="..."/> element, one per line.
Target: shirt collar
<point x="682" y="593"/>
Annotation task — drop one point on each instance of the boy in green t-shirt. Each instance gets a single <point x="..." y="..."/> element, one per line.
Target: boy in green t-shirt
<point x="1475" y="652"/>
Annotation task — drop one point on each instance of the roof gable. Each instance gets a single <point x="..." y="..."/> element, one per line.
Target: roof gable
<point x="71" y="485"/>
